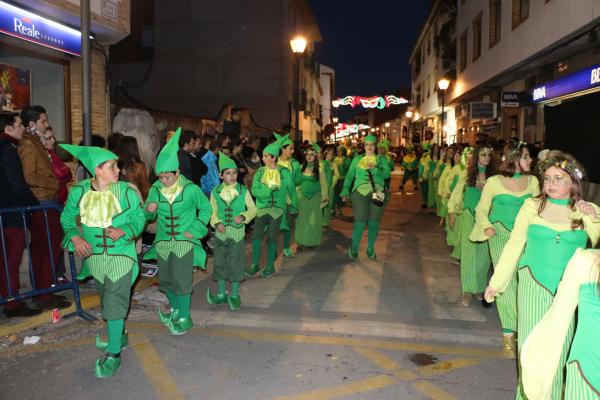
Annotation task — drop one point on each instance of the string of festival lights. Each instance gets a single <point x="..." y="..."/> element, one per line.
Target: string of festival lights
<point x="369" y="102"/>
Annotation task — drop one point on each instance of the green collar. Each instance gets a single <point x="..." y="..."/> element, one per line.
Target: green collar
<point x="558" y="202"/>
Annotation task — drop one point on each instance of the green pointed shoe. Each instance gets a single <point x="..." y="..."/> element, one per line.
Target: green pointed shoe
<point x="219" y="298"/>
<point x="102" y="345"/>
<point x="234" y="302"/>
<point x="180" y="326"/>
<point x="165" y="318"/>
<point x="287" y="252"/>
<point x="267" y="272"/>
<point x="252" y="270"/>
<point x="109" y="366"/>
<point x="371" y="254"/>
<point x="353" y="254"/>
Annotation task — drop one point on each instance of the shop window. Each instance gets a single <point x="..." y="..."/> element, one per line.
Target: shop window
<point x="495" y="22"/>
<point x="463" y="50"/>
<point x="477" y="36"/>
<point x="46" y="86"/>
<point x="520" y="12"/>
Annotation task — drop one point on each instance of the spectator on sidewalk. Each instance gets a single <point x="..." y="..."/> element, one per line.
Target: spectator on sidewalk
<point x="186" y="155"/>
<point x="15" y="193"/>
<point x="37" y="170"/>
<point x="130" y="163"/>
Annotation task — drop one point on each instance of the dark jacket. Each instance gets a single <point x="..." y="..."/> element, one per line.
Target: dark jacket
<point x="15" y="191"/>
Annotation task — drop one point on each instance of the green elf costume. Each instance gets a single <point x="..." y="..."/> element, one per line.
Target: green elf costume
<point x="432" y="182"/>
<point x="313" y="196"/>
<point x="232" y="209"/>
<point x="272" y="188"/>
<point x="423" y="174"/>
<point x="541" y="352"/>
<point x="112" y="263"/>
<point x="182" y="212"/>
<point x="411" y="168"/>
<point x="475" y="256"/>
<point x="342" y="162"/>
<point x="385" y="144"/>
<point x="498" y="208"/>
<point x="332" y="176"/>
<point x="358" y="184"/>
<point x="538" y="251"/>
<point x="442" y="171"/>
<point x="293" y="166"/>
<point x="450" y="182"/>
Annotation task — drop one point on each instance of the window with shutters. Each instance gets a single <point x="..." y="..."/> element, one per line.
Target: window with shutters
<point x="520" y="12"/>
<point x="463" y="50"/>
<point x="495" y="22"/>
<point x="477" y="36"/>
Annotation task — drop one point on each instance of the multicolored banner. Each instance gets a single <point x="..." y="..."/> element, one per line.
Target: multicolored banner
<point x="369" y="102"/>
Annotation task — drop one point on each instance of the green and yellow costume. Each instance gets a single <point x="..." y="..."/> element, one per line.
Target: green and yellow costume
<point x="423" y="176"/>
<point x="229" y="202"/>
<point x="182" y="208"/>
<point x="541" y="353"/>
<point x="432" y="183"/>
<point x="333" y="176"/>
<point x="442" y="171"/>
<point x="447" y="186"/>
<point x="343" y="165"/>
<point x="288" y="219"/>
<point x="112" y="263"/>
<point x="410" y="164"/>
<point x="541" y="250"/>
<point x="365" y="212"/>
<point x="385" y="144"/>
<point x="498" y="208"/>
<point x="273" y="189"/>
<point x="475" y="257"/>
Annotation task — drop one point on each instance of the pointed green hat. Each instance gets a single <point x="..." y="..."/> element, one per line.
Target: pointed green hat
<point x="384" y="143"/>
<point x="284" y="142"/>
<point x="315" y="147"/>
<point x="90" y="156"/>
<point x="370" y="139"/>
<point x="225" y="162"/>
<point x="273" y="148"/>
<point x="167" y="159"/>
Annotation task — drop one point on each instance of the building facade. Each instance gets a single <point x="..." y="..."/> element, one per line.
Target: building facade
<point x="40" y="60"/>
<point x="200" y="56"/>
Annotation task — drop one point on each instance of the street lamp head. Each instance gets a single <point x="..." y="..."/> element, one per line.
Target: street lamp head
<point x="335" y="120"/>
<point x="408" y="114"/>
<point x="387" y="124"/>
<point x="443" y="84"/>
<point x="372" y="129"/>
<point x="298" y="44"/>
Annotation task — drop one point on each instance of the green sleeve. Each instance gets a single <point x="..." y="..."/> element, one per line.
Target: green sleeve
<point x="421" y="171"/>
<point x="250" y="212"/>
<point x="152" y="198"/>
<point x="296" y="173"/>
<point x="259" y="189"/>
<point x="214" y="218"/>
<point x="135" y="221"/>
<point x="384" y="168"/>
<point x="482" y="211"/>
<point x="455" y="203"/>
<point x="291" y="189"/>
<point x="349" y="178"/>
<point x="68" y="218"/>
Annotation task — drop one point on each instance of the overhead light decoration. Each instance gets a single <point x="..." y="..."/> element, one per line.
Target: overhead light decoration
<point x="369" y="102"/>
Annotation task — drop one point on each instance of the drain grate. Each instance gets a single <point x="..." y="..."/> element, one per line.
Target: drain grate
<point x="423" y="359"/>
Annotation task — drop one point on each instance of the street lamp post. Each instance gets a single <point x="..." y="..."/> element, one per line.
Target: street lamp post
<point x="443" y="85"/>
<point x="408" y="115"/>
<point x="387" y="130"/>
<point x="335" y="121"/>
<point x="298" y="45"/>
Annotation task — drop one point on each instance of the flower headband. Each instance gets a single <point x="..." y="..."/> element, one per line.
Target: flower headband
<point x="570" y="166"/>
<point x="516" y="151"/>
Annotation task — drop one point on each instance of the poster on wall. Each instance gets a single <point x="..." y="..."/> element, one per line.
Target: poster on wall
<point x="15" y="88"/>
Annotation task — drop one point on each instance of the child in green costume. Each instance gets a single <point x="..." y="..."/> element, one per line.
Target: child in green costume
<point x="111" y="219"/>
<point x="547" y="232"/>
<point x="313" y="196"/>
<point x="500" y="202"/>
<point x="286" y="160"/>
<point x="232" y="209"/>
<point x="411" y="168"/>
<point x="272" y="186"/>
<point x="181" y="211"/>
<point x="358" y="183"/>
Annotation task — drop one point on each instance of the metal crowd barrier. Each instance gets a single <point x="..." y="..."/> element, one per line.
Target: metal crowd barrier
<point x="24" y="212"/>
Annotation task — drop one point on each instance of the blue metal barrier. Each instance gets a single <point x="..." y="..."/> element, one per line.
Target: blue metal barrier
<point x="25" y="212"/>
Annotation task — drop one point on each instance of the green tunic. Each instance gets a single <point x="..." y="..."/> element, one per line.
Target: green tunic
<point x="312" y="192"/>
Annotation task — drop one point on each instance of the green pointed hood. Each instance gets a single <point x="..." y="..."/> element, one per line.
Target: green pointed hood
<point x="370" y="139"/>
<point x="90" y="156"/>
<point x="225" y="162"/>
<point x="275" y="147"/>
<point x="167" y="159"/>
<point x="384" y="143"/>
<point x="285" y="142"/>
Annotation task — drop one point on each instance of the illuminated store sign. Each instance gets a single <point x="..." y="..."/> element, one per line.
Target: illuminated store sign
<point x="585" y="79"/>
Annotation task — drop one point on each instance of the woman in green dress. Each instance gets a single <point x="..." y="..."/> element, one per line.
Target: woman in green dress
<point x="367" y="172"/>
<point x="578" y="292"/>
<point x="111" y="220"/>
<point x="447" y="186"/>
<point x="501" y="199"/>
<point x="475" y="257"/>
<point x="547" y="232"/>
<point x="332" y="175"/>
<point x="432" y="179"/>
<point x="442" y="170"/>
<point x="313" y="196"/>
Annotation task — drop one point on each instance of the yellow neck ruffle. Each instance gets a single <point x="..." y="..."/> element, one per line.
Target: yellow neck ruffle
<point x="229" y="193"/>
<point x="98" y="208"/>
<point x="172" y="192"/>
<point x="271" y="178"/>
<point x="366" y="160"/>
<point x="286" y="164"/>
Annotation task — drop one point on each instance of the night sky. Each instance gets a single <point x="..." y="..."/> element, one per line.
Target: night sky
<point x="368" y="43"/>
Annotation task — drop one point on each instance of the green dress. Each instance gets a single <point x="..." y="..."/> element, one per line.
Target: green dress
<point x="432" y="184"/>
<point x="312" y="193"/>
<point x="328" y="168"/>
<point x="423" y="174"/>
<point x="546" y="249"/>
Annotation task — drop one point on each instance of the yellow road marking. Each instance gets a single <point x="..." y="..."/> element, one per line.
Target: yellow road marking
<point x="405" y="375"/>
<point x="352" y="342"/>
<point x="434" y="392"/>
<point x="447" y="366"/>
<point x="365" y="385"/>
<point x="163" y="383"/>
<point x="378" y="358"/>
